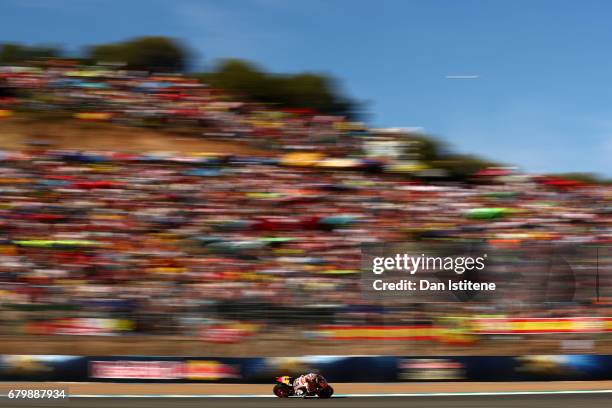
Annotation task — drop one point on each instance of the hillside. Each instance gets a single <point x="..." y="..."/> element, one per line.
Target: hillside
<point x="19" y="130"/>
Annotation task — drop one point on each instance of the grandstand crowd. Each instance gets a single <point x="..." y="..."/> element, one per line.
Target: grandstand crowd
<point x="163" y="243"/>
<point x="137" y="98"/>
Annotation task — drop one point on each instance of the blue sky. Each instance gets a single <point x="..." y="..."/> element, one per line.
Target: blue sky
<point x="543" y="99"/>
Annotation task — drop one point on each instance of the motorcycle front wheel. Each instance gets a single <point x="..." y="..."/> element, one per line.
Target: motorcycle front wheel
<point x="326" y="392"/>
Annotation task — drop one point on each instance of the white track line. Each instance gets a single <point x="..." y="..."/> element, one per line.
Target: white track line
<point x="432" y="394"/>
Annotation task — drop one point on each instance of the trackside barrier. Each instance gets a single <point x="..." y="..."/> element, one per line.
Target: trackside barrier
<point x="335" y="368"/>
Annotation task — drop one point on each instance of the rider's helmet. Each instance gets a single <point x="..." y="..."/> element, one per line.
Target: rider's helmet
<point x="285" y="379"/>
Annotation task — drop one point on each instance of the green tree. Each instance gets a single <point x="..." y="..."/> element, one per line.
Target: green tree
<point x="462" y="166"/>
<point x="304" y="90"/>
<point x="156" y="54"/>
<point x="240" y="77"/>
<point x="11" y="53"/>
<point x="427" y="148"/>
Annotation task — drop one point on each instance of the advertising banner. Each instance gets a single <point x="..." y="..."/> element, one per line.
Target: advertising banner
<point x="336" y="369"/>
<point x="526" y="325"/>
<point x="42" y="368"/>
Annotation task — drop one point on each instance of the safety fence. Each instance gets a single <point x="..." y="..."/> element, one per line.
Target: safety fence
<point x="335" y="368"/>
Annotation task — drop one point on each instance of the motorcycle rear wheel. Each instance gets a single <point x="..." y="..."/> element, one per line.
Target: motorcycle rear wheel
<point x="282" y="390"/>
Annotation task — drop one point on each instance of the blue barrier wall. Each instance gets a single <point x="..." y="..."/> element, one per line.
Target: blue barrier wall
<point x="335" y="368"/>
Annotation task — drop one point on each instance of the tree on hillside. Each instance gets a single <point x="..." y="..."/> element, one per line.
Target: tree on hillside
<point x="304" y="90"/>
<point x="12" y="53"/>
<point x="462" y="166"/>
<point x="427" y="147"/>
<point x="156" y="54"/>
<point x="313" y="90"/>
<point x="240" y="77"/>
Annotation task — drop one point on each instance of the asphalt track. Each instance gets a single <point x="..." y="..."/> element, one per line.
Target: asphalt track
<point x="483" y="401"/>
<point x="569" y="394"/>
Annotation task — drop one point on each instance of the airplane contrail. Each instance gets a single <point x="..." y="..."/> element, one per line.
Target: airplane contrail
<point x="462" y="76"/>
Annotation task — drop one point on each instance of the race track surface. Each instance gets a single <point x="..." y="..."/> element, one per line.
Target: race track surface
<point x="507" y="401"/>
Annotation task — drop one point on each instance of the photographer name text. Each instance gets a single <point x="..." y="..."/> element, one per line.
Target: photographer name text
<point x="424" y="284"/>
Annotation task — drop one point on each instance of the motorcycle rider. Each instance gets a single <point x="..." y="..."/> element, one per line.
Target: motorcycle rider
<point x="308" y="384"/>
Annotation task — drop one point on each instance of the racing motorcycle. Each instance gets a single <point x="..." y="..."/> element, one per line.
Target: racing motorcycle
<point x="284" y="388"/>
